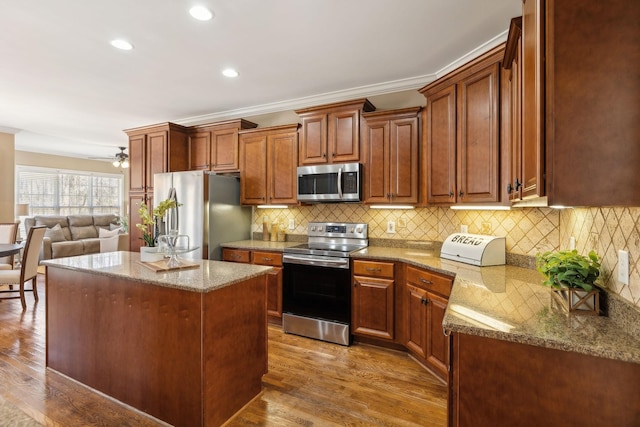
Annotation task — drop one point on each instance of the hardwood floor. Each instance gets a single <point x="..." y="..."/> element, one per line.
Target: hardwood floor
<point x="309" y="383"/>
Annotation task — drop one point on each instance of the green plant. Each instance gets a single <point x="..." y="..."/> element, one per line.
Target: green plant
<point x="569" y="269"/>
<point x="150" y="222"/>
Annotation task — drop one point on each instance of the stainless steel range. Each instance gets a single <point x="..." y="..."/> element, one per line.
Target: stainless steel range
<point x="316" y="292"/>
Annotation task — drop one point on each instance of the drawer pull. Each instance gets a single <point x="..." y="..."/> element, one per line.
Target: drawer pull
<point x="426" y="282"/>
<point x="236" y="256"/>
<point x="267" y="259"/>
<point x="373" y="270"/>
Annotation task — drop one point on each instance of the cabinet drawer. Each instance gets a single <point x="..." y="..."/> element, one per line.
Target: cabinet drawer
<point x="373" y="269"/>
<point x="236" y="255"/>
<point x="273" y="259"/>
<point x="431" y="281"/>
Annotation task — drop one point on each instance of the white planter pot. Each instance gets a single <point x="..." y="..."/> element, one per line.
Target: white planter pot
<point x="150" y="254"/>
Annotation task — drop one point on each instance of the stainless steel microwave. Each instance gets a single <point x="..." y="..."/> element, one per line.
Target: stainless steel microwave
<point x="330" y="183"/>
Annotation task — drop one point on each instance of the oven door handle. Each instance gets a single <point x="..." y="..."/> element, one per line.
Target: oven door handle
<point x="337" y="263"/>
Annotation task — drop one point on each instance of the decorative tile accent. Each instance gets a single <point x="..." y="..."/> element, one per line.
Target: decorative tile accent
<point x="527" y="230"/>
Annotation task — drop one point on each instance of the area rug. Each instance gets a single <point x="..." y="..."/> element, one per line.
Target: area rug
<point x="10" y="415"/>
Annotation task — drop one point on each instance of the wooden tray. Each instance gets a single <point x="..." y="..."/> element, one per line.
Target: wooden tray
<point x="162" y="265"/>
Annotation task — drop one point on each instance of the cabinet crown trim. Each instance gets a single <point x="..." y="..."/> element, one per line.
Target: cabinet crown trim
<point x="380" y="114"/>
<point x="364" y="103"/>
<point x="282" y="128"/>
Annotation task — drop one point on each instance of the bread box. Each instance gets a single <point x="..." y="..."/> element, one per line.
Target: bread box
<point x="474" y="249"/>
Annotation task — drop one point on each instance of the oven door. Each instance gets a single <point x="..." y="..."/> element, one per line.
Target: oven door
<point x="316" y="291"/>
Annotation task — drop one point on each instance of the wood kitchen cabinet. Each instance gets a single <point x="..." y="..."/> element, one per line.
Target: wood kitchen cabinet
<point x="152" y="149"/>
<point x="331" y="133"/>
<point x="461" y="134"/>
<point x="215" y="147"/>
<point x="580" y="102"/>
<point x="426" y="298"/>
<point x="512" y="114"/>
<point x="274" y="278"/>
<point x="268" y="162"/>
<point x="390" y="155"/>
<point x="372" y="299"/>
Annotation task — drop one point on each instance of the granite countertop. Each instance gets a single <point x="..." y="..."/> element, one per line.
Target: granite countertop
<point x="259" y="245"/>
<point x="208" y="276"/>
<point x="510" y="303"/>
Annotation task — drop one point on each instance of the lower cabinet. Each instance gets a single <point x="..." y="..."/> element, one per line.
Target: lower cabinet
<point x="274" y="279"/>
<point x="426" y="297"/>
<point x="372" y="299"/>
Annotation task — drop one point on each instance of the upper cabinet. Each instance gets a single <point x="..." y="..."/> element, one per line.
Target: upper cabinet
<point x="390" y="141"/>
<point x="155" y="149"/>
<point x="461" y="135"/>
<point x="214" y="147"/>
<point x="268" y="162"/>
<point x="579" y="103"/>
<point x="331" y="133"/>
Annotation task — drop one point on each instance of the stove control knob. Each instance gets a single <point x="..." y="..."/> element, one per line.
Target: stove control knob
<point x="313" y="228"/>
<point x="358" y="229"/>
<point x="320" y="228"/>
<point x="351" y="230"/>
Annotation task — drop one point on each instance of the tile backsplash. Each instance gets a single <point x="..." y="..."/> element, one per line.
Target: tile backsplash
<point x="527" y="230"/>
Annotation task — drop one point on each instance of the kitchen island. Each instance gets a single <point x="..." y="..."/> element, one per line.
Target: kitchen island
<point x="188" y="347"/>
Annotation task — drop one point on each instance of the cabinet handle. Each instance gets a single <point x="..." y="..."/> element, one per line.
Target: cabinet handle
<point x="518" y="184"/>
<point x="267" y="259"/>
<point x="374" y="270"/>
<point x="324" y="155"/>
<point x="509" y="188"/>
<point x="355" y="284"/>
<point x="450" y="194"/>
<point x="424" y="301"/>
<point x="461" y="193"/>
<point x="426" y="282"/>
<point x="333" y="154"/>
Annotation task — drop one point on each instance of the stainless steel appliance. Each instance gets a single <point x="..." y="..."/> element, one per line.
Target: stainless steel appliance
<point x="316" y="290"/>
<point x="210" y="213"/>
<point x="330" y="183"/>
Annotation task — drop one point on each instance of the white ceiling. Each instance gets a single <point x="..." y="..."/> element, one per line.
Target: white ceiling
<point x="65" y="90"/>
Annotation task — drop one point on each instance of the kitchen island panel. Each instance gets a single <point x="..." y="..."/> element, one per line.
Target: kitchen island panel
<point x="136" y="342"/>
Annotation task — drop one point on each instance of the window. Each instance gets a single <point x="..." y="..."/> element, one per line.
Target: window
<point x="65" y="192"/>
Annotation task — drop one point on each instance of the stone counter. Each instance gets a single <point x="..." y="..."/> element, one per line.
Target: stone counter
<point x="509" y="303"/>
<point x="259" y="245"/>
<point x="208" y="276"/>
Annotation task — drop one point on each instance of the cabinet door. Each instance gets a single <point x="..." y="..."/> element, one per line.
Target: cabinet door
<point x="344" y="136"/>
<point x="532" y="98"/>
<point x="253" y="169"/>
<point x="156" y="156"/>
<point x="437" y="349"/>
<point x="403" y="161"/>
<point x="135" y="235"/>
<point x="137" y="163"/>
<point x="224" y="150"/>
<point x="376" y="158"/>
<point x="274" y="293"/>
<point x="281" y="167"/>
<point x="313" y="146"/>
<point x="372" y="307"/>
<point x="416" y="320"/>
<point x="439" y="128"/>
<point x="478" y="137"/>
<point x="199" y="150"/>
<point x="515" y="119"/>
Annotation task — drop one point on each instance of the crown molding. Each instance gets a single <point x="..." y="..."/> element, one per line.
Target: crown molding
<point x="345" y="94"/>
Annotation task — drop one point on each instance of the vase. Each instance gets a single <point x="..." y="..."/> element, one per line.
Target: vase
<point x="150" y="254"/>
<point x="578" y="301"/>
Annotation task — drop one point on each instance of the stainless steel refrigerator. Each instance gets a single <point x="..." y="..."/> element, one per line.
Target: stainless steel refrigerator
<point x="210" y="212"/>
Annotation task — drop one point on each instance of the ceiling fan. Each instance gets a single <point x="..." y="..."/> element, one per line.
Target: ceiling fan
<point x="120" y="160"/>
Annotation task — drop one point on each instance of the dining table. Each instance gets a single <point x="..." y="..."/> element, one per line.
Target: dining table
<point x="7" y="249"/>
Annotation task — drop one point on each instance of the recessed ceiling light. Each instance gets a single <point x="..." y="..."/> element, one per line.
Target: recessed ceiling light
<point x="121" y="44"/>
<point x="201" y="13"/>
<point x="229" y="72"/>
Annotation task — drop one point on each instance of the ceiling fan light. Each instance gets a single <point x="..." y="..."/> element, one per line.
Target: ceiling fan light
<point x="116" y="163"/>
<point x="125" y="164"/>
<point x="201" y="13"/>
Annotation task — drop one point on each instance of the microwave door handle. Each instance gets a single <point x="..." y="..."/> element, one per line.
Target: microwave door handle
<point x="340" y="183"/>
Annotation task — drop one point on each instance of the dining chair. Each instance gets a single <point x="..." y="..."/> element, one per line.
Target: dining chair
<point x="8" y="234"/>
<point x="28" y="269"/>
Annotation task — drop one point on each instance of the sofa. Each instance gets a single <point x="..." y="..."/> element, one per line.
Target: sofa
<point x="77" y="234"/>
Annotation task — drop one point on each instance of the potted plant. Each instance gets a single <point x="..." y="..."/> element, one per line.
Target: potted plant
<point x="150" y="227"/>
<point x="572" y="278"/>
